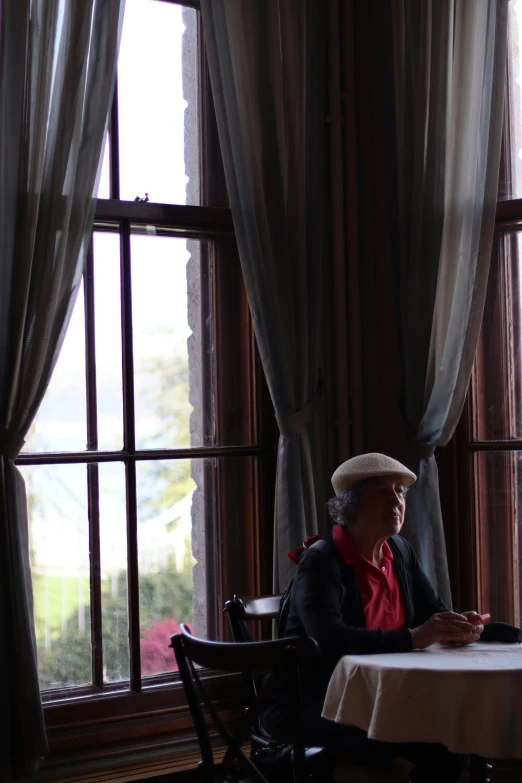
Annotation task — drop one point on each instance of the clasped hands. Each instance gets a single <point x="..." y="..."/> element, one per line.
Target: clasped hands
<point x="449" y="628"/>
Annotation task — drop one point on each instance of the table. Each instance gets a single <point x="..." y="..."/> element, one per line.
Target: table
<point x="469" y="698"/>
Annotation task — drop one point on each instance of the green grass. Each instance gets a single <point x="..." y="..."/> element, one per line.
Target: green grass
<point x="53" y="586"/>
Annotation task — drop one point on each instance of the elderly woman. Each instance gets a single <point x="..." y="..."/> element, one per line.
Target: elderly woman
<point x="362" y="590"/>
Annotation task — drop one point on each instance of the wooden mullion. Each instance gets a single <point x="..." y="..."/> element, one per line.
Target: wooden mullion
<point x="480" y="506"/>
<point x="470" y="535"/>
<point x="510" y="480"/>
<point x="508" y="324"/>
<point x="509" y="212"/>
<point x="90" y="351"/>
<point x="133" y="578"/>
<point x="467" y="561"/>
<point x="80" y="457"/>
<point x="93" y="490"/>
<point x="129" y="434"/>
<point x="477" y="394"/>
<point x="129" y="440"/>
<point x="517" y="393"/>
<point x="209" y="439"/>
<point x="505" y="174"/>
<point x="212" y="560"/>
<point x="114" y="148"/>
<point x="515" y="444"/>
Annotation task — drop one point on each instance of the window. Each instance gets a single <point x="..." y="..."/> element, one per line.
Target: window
<point x="492" y="425"/>
<point x="145" y="465"/>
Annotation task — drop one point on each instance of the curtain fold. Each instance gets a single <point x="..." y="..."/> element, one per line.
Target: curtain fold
<point x="449" y="66"/>
<point x="57" y="66"/>
<point x="267" y="82"/>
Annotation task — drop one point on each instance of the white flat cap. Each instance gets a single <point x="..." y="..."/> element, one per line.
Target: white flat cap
<point x="369" y="466"/>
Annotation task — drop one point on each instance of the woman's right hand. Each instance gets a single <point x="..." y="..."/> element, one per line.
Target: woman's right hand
<point x="443" y="627"/>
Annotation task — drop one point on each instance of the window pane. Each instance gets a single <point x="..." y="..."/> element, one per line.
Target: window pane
<point x="113" y="564"/>
<point x="107" y="307"/>
<point x="510" y="181"/>
<point x="189" y="564"/>
<point x="498" y="477"/>
<point x="61" y="424"/>
<point x="191" y="359"/>
<point x="157" y="98"/>
<point x="167" y="342"/>
<point x="498" y="377"/>
<point x="59" y="536"/>
<point x="170" y="516"/>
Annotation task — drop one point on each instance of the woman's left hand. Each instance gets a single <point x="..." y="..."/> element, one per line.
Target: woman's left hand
<point x="478" y="621"/>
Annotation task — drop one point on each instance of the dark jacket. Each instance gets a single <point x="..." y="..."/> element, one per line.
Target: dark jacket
<point x="325" y="603"/>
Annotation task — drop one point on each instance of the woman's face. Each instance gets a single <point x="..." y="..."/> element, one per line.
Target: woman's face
<point x="382" y="505"/>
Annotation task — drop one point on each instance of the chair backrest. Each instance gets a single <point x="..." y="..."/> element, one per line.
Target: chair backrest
<point x="232" y="657"/>
<point x="262" y="607"/>
<point x="242" y="609"/>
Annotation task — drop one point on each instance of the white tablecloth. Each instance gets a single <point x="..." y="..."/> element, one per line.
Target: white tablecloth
<point x="468" y="698"/>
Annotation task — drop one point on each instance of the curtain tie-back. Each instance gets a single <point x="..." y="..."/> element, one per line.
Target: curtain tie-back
<point x="423" y="450"/>
<point x="419" y="448"/>
<point x="11" y="443"/>
<point x="296" y="422"/>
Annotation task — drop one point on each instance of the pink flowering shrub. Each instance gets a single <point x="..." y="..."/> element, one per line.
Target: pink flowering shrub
<point x="156" y="656"/>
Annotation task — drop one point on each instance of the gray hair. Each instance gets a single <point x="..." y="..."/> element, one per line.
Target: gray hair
<point x="342" y="507"/>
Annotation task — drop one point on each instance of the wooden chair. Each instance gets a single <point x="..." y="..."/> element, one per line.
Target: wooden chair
<point x="282" y="655"/>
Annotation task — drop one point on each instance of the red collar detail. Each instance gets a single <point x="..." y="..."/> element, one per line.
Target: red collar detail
<point x="300" y="549"/>
<point x="349" y="552"/>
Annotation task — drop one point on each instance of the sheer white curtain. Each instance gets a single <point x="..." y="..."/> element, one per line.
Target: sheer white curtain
<point x="449" y="65"/>
<point x="57" y="66"/>
<point x="267" y="82"/>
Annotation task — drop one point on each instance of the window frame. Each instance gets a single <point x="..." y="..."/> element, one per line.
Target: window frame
<point x="93" y="724"/>
<point x="476" y="566"/>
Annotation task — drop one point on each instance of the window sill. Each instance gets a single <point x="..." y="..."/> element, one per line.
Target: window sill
<point x="100" y="733"/>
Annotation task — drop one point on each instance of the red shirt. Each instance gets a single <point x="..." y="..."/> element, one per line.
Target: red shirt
<point x="381" y="595"/>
